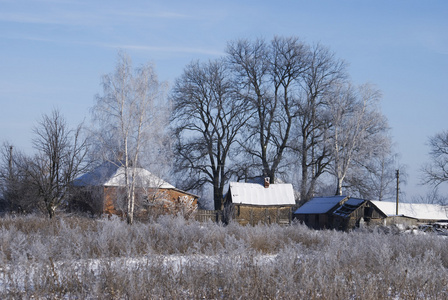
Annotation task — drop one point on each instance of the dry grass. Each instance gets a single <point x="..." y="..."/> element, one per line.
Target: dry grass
<point x="74" y="257"/>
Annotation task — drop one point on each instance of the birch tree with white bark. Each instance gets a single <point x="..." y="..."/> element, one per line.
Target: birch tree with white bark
<point x="374" y="177"/>
<point x="357" y="128"/>
<point x="130" y="116"/>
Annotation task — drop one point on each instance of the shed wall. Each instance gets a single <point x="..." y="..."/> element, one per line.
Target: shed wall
<point x="253" y="215"/>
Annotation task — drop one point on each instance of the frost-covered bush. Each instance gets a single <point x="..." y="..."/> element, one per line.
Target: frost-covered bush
<point x="174" y="258"/>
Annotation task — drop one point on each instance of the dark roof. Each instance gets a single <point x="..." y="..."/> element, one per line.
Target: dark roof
<point x="320" y="205"/>
<point x="348" y="207"/>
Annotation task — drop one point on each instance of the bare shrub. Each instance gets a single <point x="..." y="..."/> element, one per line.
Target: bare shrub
<point x="174" y="258"/>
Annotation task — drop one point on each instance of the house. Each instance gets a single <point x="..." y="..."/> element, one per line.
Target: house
<point x="408" y="213"/>
<point x="102" y="191"/>
<point x="253" y="203"/>
<point x="317" y="212"/>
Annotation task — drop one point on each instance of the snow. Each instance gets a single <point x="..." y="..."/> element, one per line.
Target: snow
<point x="20" y="275"/>
<point x="413" y="210"/>
<point x="257" y="194"/>
<point x="109" y="174"/>
<point x="319" y="205"/>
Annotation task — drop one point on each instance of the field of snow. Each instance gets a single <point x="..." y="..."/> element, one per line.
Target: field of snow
<point x="80" y="258"/>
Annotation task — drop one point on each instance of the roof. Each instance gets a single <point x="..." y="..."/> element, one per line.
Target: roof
<point x="320" y="205"/>
<point x="110" y="174"/>
<point x="413" y="210"/>
<point x="257" y="194"/>
<point x="348" y="207"/>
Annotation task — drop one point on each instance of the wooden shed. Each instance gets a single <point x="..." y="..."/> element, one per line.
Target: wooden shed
<point x="350" y="214"/>
<point x="102" y="191"/>
<point x="317" y="212"/>
<point x="254" y="203"/>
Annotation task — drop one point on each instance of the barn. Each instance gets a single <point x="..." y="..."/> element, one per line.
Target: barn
<point x="317" y="212"/>
<point x="102" y="191"/>
<point x="254" y="203"/>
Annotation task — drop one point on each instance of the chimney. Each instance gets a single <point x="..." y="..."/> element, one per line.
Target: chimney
<point x="266" y="182"/>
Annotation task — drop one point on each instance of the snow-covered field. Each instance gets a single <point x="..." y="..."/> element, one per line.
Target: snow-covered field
<point x="76" y="258"/>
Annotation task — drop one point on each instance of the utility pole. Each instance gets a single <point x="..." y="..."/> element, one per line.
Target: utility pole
<point x="10" y="175"/>
<point x="397" y="175"/>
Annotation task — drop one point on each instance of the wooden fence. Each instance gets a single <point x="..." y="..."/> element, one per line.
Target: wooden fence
<point x="203" y="215"/>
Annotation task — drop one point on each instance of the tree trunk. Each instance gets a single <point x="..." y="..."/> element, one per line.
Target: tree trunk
<point x="130" y="213"/>
<point x="51" y="210"/>
<point x="339" y="187"/>
<point x="304" y="183"/>
<point x="216" y="194"/>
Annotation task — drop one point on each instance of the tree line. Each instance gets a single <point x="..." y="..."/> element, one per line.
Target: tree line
<point x="282" y="109"/>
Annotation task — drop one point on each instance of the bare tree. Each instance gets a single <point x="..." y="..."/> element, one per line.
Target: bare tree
<point x="207" y="117"/>
<point x="433" y="196"/>
<point x="436" y="172"/>
<point x="16" y="191"/>
<point x="130" y="117"/>
<point x="358" y="128"/>
<point x="374" y="176"/>
<point x="324" y="72"/>
<point x="268" y="79"/>
<point x="59" y="159"/>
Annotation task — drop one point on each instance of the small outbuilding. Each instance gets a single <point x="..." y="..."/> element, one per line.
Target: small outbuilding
<point x="317" y="212"/>
<point x="102" y="191"/>
<point x="254" y="203"/>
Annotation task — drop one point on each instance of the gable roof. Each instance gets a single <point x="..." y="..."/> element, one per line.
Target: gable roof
<point x="257" y="194"/>
<point x="320" y="205"/>
<point x="413" y="210"/>
<point x="110" y="174"/>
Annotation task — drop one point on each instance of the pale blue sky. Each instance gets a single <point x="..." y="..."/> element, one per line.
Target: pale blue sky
<point x="53" y="53"/>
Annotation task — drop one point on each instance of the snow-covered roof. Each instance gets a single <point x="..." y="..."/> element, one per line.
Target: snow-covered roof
<point x="257" y="194"/>
<point x="109" y="174"/>
<point x="319" y="205"/>
<point x="413" y="210"/>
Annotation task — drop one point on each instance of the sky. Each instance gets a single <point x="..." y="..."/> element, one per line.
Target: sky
<point x="54" y="52"/>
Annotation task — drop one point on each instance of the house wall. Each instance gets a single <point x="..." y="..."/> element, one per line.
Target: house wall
<point x="401" y="220"/>
<point x="114" y="200"/>
<point x="111" y="200"/>
<point x="253" y="215"/>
